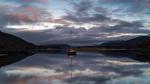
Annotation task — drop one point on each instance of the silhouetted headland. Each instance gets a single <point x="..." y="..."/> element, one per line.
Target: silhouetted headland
<point x="138" y="43"/>
<point x="13" y="44"/>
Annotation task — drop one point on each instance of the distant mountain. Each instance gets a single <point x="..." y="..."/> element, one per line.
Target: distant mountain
<point x="55" y="46"/>
<point x="141" y="42"/>
<point x="113" y="44"/>
<point x="13" y="43"/>
<point x="10" y="42"/>
<point x="138" y="42"/>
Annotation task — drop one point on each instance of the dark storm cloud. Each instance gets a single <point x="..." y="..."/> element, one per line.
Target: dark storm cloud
<point x="82" y="7"/>
<point x="11" y="17"/>
<point x="134" y="6"/>
<point x="126" y="26"/>
<point x="87" y="19"/>
<point x="120" y="27"/>
<point x="101" y="10"/>
<point x="97" y="14"/>
<point x="88" y="80"/>
<point x="130" y="24"/>
<point x="14" y="19"/>
<point x="81" y="13"/>
<point x="18" y="14"/>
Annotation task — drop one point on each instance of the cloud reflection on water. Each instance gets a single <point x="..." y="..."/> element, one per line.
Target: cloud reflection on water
<point x="88" y="68"/>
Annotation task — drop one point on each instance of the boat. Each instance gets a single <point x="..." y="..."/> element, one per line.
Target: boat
<point x="71" y="52"/>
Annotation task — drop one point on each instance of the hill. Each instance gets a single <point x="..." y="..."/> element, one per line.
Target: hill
<point x="13" y="43"/>
<point x="138" y="42"/>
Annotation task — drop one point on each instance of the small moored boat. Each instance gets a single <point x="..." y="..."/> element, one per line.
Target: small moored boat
<point x="71" y="52"/>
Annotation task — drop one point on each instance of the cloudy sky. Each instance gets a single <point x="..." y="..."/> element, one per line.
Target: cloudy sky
<point x="75" y="21"/>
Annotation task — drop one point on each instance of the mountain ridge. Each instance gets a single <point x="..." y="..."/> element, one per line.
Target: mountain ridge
<point x="137" y="42"/>
<point x="12" y="42"/>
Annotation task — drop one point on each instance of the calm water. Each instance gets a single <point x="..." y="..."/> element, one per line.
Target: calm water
<point x="87" y="68"/>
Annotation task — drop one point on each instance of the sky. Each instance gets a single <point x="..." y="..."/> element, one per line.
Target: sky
<point x="75" y="21"/>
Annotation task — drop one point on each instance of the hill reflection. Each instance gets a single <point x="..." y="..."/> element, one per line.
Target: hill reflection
<point x="111" y="67"/>
<point x="142" y="56"/>
<point x="10" y="58"/>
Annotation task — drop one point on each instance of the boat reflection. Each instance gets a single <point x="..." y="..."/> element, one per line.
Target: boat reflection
<point x="71" y="53"/>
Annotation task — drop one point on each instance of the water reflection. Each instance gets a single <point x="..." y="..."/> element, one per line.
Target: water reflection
<point x="87" y="68"/>
<point x="9" y="58"/>
<point x="142" y="56"/>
